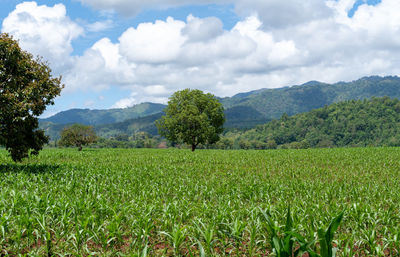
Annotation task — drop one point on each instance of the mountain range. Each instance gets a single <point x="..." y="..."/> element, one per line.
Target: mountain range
<point x="244" y="110"/>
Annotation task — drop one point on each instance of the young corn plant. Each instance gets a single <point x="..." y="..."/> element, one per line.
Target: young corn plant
<point x="325" y="237"/>
<point x="142" y="253"/>
<point x="177" y="237"/>
<point x="207" y="233"/>
<point x="282" y="244"/>
<point x="202" y="252"/>
<point x="252" y="229"/>
<point x="348" y="249"/>
<point x="236" y="231"/>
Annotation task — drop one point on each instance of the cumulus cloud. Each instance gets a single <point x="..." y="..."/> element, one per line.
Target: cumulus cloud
<point x="153" y="60"/>
<point x="126" y="102"/>
<point x="202" y="29"/>
<point x="276" y="14"/>
<point x="157" y="42"/>
<point x="133" y="7"/>
<point x="100" y="26"/>
<point x="198" y="53"/>
<point x="273" y="13"/>
<point x="156" y="59"/>
<point x="43" y="30"/>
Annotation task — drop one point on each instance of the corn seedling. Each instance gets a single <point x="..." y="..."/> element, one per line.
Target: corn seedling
<point x="149" y="202"/>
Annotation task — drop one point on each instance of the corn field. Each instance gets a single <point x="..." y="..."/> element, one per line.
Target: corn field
<point x="146" y="202"/>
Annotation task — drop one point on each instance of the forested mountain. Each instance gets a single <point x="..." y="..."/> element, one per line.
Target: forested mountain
<point x="244" y="110"/>
<point x="272" y="103"/>
<point x="98" y="117"/>
<point x="130" y="127"/>
<point x="372" y="122"/>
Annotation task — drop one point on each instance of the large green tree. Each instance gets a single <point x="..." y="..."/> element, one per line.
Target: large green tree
<point x="77" y="135"/>
<point x="192" y="117"/>
<point x="26" y="88"/>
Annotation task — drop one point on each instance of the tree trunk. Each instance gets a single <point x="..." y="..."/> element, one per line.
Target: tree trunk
<point x="80" y="148"/>
<point x="193" y="147"/>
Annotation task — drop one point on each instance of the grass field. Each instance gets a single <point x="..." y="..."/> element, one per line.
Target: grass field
<point x="207" y="203"/>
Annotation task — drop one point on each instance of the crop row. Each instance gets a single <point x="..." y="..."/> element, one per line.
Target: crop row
<point x="210" y="203"/>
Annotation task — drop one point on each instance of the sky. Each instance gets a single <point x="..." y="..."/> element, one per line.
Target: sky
<point x="118" y="53"/>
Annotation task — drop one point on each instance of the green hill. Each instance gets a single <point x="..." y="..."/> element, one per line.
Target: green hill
<point x="243" y="111"/>
<point x="272" y="103"/>
<point x="372" y="122"/>
<point x="98" y="117"/>
<point x="130" y="127"/>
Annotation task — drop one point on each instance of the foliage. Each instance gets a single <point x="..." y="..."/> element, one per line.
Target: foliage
<point x="374" y="122"/>
<point x="325" y="237"/>
<point x="26" y="87"/>
<point x="130" y="126"/>
<point x="138" y="140"/>
<point x="118" y="202"/>
<point x="282" y="246"/>
<point x="285" y="244"/>
<point x="192" y="117"/>
<point x="78" y="135"/>
<point x="273" y="103"/>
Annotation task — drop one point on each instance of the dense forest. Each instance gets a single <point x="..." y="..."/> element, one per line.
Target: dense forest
<point x="373" y="122"/>
<point x="272" y="103"/>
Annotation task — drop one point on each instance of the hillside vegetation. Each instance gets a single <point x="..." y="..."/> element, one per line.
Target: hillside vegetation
<point x="99" y="117"/>
<point x="373" y="122"/>
<point x="272" y="103"/>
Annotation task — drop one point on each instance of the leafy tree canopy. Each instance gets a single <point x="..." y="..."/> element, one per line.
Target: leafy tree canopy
<point x="368" y="122"/>
<point x="192" y="117"/>
<point x="26" y="88"/>
<point x="78" y="135"/>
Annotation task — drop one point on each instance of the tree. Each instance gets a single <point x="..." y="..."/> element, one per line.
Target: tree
<point x="192" y="117"/>
<point x="77" y="135"/>
<point x="26" y="88"/>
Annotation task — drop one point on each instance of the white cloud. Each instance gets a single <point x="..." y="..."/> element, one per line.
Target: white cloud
<point x="157" y="90"/>
<point x="153" y="60"/>
<point x="202" y="29"/>
<point x="100" y="26"/>
<point x="135" y="98"/>
<point x="156" y="59"/>
<point x="251" y="55"/>
<point x="45" y="31"/>
<point x="126" y="102"/>
<point x="153" y="42"/>
<point x="277" y="13"/>
<point x="273" y="13"/>
<point x="133" y="7"/>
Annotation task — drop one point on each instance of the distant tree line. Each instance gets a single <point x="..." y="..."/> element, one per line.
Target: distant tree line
<point x="78" y="135"/>
<point x="137" y="140"/>
<point x="353" y="123"/>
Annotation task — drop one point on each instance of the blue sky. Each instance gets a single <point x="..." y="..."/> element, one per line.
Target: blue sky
<point x="114" y="54"/>
<point x="83" y="13"/>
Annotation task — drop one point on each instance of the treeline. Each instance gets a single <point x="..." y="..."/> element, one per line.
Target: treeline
<point x="138" y="140"/>
<point x="354" y="123"/>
